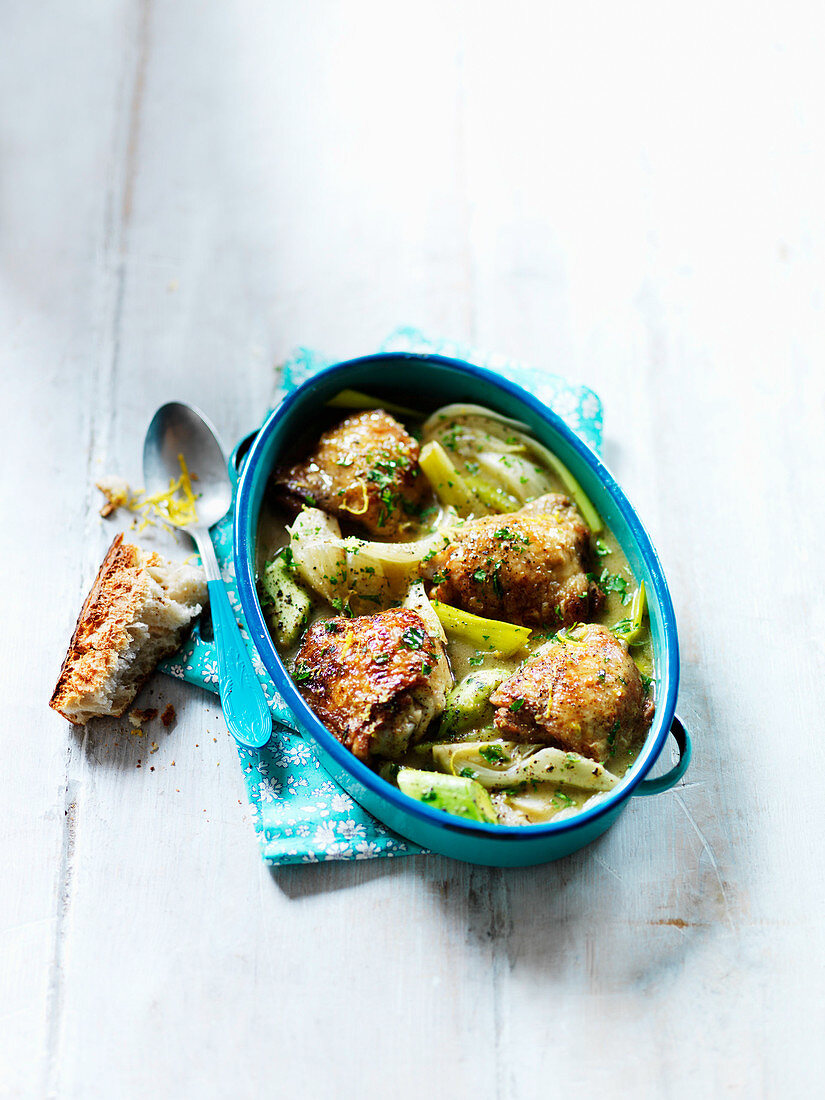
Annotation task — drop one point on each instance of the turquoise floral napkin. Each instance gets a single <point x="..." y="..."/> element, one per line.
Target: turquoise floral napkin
<point x="300" y="814"/>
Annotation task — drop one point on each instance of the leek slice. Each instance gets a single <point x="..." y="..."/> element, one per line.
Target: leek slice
<point x="354" y="399"/>
<point x="468" y="700"/>
<point x="492" y="496"/>
<point x="448" y="484"/>
<point x="288" y="605"/>
<point x="451" y="793"/>
<point x="489" y="634"/>
<point x="630" y="630"/>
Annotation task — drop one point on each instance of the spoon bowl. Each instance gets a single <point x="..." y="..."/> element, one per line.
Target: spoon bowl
<point x="179" y="429"/>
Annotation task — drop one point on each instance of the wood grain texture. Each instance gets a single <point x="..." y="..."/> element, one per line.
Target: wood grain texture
<point x="631" y="197"/>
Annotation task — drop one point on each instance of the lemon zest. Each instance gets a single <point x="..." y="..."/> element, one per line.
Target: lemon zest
<point x="174" y="507"/>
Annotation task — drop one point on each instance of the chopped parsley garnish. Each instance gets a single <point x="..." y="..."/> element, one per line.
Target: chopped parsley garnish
<point x="602" y="549"/>
<point x="480" y="576"/>
<point x="426" y="669"/>
<point x="612" y="582"/>
<point x="516" y="704"/>
<point x="647" y="682"/>
<point x="429" y="795"/>
<point x="414" y="637"/>
<point x="331" y="627"/>
<point x="467" y="773"/>
<point x="563" y="799"/>
<point x="497" y="588"/>
<point x="301" y="673"/>
<point x="493" y="754"/>
<point x="478" y="660"/>
<point x="514" y="536"/>
<point x="382" y="658"/>
<point x="611" y="737"/>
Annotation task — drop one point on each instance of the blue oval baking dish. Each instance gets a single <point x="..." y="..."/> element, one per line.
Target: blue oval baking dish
<point x="444" y="381"/>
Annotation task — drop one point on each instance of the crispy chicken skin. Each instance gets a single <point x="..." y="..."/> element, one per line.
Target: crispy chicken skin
<point x="365" y="471"/>
<point x="376" y="681"/>
<point x="527" y="567"/>
<point x="582" y="693"/>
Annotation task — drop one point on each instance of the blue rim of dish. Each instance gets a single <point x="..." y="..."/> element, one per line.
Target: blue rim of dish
<point x="244" y="539"/>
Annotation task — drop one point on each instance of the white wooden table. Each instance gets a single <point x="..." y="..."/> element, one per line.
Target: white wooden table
<point x="629" y="194"/>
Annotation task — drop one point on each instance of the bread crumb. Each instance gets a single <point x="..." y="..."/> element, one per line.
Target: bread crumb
<point x="154" y="747"/>
<point x="116" y="492"/>
<point x="138" y="717"/>
<point x="168" y="716"/>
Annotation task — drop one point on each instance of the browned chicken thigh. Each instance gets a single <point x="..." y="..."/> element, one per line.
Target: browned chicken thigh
<point x="582" y="693"/>
<point x="376" y="681"/>
<point x="527" y="567"/>
<point x="365" y="471"/>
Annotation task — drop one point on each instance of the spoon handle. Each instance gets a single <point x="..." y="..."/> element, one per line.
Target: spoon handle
<point x="244" y="704"/>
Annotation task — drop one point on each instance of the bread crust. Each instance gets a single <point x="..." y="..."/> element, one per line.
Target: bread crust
<point x="101" y="634"/>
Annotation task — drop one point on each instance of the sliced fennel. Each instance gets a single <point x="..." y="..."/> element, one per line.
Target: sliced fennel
<point x="446" y="413"/>
<point x="353" y="574"/>
<point x="589" y="514"/>
<point x="489" y="634"/>
<point x="471" y="431"/>
<point x="519" y="477"/>
<point x="498" y="765"/>
<point x="319" y="554"/>
<point x="418" y="600"/>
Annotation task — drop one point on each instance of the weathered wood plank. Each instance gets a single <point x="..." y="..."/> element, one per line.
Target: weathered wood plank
<point x="630" y="198"/>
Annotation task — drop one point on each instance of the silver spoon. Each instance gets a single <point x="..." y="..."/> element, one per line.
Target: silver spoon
<point x="180" y="429"/>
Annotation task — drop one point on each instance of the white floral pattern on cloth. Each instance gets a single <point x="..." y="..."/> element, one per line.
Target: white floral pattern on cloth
<point x="300" y="814"/>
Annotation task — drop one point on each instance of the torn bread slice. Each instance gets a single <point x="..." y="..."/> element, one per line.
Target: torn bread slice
<point x="136" y="613"/>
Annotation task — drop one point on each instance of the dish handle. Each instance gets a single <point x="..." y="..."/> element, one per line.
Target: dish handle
<point x="670" y="779"/>
<point x="236" y="459"/>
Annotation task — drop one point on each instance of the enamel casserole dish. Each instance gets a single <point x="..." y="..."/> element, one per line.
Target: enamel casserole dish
<point x="444" y="381"/>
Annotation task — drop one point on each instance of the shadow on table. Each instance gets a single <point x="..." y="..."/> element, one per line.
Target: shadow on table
<point x="303" y="880"/>
<point x="626" y="911"/>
